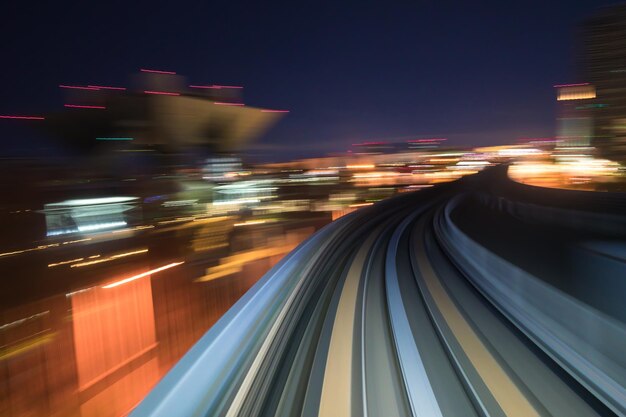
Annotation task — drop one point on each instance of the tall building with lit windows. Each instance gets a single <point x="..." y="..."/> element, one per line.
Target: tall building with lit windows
<point x="603" y="62"/>
<point x="575" y="116"/>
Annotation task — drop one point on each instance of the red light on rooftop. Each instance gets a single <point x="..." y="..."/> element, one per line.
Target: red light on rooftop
<point x="23" y="117"/>
<point x="161" y="93"/>
<point x="80" y="106"/>
<point x="157" y="71"/>
<point x="219" y="103"/>
<point x="426" y="140"/>
<point x="571" y="85"/>
<point x="215" y="87"/>
<point x="370" y="143"/>
<point x="78" y="87"/>
<point x="106" y="87"/>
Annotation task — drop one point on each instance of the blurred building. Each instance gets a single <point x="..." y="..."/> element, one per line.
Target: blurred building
<point x="575" y="117"/>
<point x="604" y="65"/>
<point x="159" y="111"/>
<point x="91" y="215"/>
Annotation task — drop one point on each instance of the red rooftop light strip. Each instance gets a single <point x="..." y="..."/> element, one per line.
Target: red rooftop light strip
<point x="77" y="87"/>
<point x="370" y="143"/>
<point x="426" y="140"/>
<point x="106" y="87"/>
<point x="161" y="93"/>
<point x="274" y="111"/>
<point x="571" y="85"/>
<point x="219" y="103"/>
<point x="80" y="106"/>
<point x="23" y="117"/>
<point x="157" y="71"/>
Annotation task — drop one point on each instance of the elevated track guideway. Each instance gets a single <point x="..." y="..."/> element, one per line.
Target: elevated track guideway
<point x="452" y="301"/>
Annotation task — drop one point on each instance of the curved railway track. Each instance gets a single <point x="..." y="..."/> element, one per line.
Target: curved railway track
<point x="402" y="309"/>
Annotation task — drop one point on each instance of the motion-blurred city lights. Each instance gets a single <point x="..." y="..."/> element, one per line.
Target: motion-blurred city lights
<point x="161" y="93"/>
<point x="142" y="275"/>
<point x="170" y="174"/>
<point x="106" y="87"/>
<point x="78" y="87"/>
<point x="153" y="71"/>
<point x="22" y="117"/>
<point x="84" y="106"/>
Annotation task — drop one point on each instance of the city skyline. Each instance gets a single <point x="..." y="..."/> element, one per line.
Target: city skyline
<point x="347" y="74"/>
<point x="327" y="210"/>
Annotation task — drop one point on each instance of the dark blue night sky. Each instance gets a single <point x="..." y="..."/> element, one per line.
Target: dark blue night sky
<point x="348" y="71"/>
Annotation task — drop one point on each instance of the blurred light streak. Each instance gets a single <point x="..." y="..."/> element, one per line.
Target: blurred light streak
<point x="90" y="201"/>
<point x="179" y="203"/>
<point x="28" y="250"/>
<point x="231" y="264"/>
<point x="23" y="320"/>
<point x="23" y="117"/>
<point x="250" y="222"/>
<point x="212" y="246"/>
<point x="144" y="274"/>
<point x="65" y="262"/>
<point x="98" y="226"/>
<point x="380" y="142"/>
<point x="131" y="229"/>
<point x="220" y="103"/>
<point x="106" y="87"/>
<point x="427" y="140"/>
<point x="177" y="220"/>
<point x="219" y="274"/>
<point x="78" y="87"/>
<point x="109" y="258"/>
<point x="26" y="345"/>
<point x="233" y="202"/>
<point x="362" y="166"/>
<point x="473" y="163"/>
<point x="570" y="85"/>
<point x="69" y="242"/>
<point x="377" y="174"/>
<point x="157" y="71"/>
<point x="519" y="152"/>
<point x="81" y="106"/>
<point x="70" y="294"/>
<point x="162" y="93"/>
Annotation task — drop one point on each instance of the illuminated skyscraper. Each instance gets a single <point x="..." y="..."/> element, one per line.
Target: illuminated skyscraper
<point x="575" y="123"/>
<point x="604" y="66"/>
